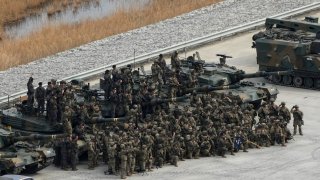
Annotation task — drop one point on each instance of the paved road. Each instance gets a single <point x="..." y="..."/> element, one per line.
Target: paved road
<point x="299" y="160"/>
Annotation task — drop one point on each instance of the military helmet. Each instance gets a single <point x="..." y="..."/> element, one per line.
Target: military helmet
<point x="296" y="106"/>
<point x="283" y="103"/>
<point x="272" y="100"/>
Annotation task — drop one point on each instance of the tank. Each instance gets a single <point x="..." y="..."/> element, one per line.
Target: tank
<point x="22" y="118"/>
<point x="19" y="156"/>
<point x="290" y="45"/>
<point x="230" y="80"/>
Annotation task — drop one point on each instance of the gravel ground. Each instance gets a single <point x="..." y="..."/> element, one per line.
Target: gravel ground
<point x="149" y="38"/>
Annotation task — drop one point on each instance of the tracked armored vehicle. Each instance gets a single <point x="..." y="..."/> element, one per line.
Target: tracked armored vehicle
<point x="221" y="74"/>
<point x="18" y="156"/>
<point x="290" y="45"/>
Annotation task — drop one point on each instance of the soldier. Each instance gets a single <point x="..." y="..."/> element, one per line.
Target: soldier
<point x="108" y="83"/>
<point x="273" y="108"/>
<point x="173" y="86"/>
<point x="284" y="112"/>
<point x="115" y="73"/>
<point x="221" y="145"/>
<point x="114" y="100"/>
<point x="40" y="96"/>
<point x="92" y="153"/>
<point x="73" y="152"/>
<point x="297" y="119"/>
<point x="162" y="62"/>
<point x="67" y="117"/>
<point x="112" y="158"/>
<point x="142" y="158"/>
<point x="277" y="135"/>
<point x="124" y="159"/>
<point x="64" y="153"/>
<point x="30" y="92"/>
<point x="263" y="111"/>
<point x="175" y="61"/>
<point x="53" y="112"/>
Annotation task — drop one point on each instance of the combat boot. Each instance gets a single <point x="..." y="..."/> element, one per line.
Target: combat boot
<point x="300" y="132"/>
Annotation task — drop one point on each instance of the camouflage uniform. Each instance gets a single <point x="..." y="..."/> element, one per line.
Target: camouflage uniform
<point x="277" y="134"/>
<point x="112" y="158"/>
<point x="124" y="159"/>
<point x="40" y="96"/>
<point x="284" y="112"/>
<point x="92" y="153"/>
<point x="297" y="119"/>
<point x="67" y="115"/>
<point x="30" y="92"/>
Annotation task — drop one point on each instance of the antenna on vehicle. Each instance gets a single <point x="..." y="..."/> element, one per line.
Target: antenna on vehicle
<point x="185" y="53"/>
<point x="134" y="59"/>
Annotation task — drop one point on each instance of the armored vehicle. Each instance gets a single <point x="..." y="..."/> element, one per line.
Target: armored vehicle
<point x="290" y="45"/>
<point x="221" y="74"/>
<point x="18" y="156"/>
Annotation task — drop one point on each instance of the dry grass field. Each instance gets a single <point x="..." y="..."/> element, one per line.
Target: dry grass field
<point x="53" y="39"/>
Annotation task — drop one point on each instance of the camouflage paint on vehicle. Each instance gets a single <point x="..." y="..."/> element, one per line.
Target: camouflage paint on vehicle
<point x="290" y="45"/>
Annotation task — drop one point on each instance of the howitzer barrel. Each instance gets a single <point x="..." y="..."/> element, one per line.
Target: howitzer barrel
<point x="7" y="155"/>
<point x="159" y="101"/>
<point x="210" y="88"/>
<point x="264" y="74"/>
<point x="39" y="137"/>
<point x="96" y="120"/>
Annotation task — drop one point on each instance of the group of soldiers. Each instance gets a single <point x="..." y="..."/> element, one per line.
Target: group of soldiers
<point x="156" y="134"/>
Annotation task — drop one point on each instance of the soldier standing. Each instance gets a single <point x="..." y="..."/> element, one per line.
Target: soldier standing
<point x="30" y="92"/>
<point x="74" y="153"/>
<point x="112" y="158"/>
<point x="64" y="153"/>
<point x="297" y="119"/>
<point x="67" y="116"/>
<point x="40" y="96"/>
<point x="124" y="159"/>
<point x="53" y="110"/>
<point x="273" y="108"/>
<point x="277" y="133"/>
<point x="175" y="61"/>
<point x="92" y="153"/>
<point x="284" y="112"/>
<point x="114" y="100"/>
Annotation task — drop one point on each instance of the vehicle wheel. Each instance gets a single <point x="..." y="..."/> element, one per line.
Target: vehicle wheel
<point x="308" y="82"/>
<point x="276" y="79"/>
<point x="297" y="81"/>
<point x="317" y="83"/>
<point x="287" y="80"/>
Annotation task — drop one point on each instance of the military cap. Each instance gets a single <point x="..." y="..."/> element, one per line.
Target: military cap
<point x="296" y="106"/>
<point x="283" y="103"/>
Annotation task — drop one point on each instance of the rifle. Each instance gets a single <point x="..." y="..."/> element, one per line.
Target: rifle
<point x="254" y="144"/>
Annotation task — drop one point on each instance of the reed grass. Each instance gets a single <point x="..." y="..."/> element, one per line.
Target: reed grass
<point x="53" y="39"/>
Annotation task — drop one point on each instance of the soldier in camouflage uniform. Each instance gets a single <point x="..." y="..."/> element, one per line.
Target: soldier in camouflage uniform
<point x="297" y="119"/>
<point x="67" y="117"/>
<point x="124" y="158"/>
<point x="92" y="153"/>
<point x="277" y="134"/>
<point x="284" y="112"/>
